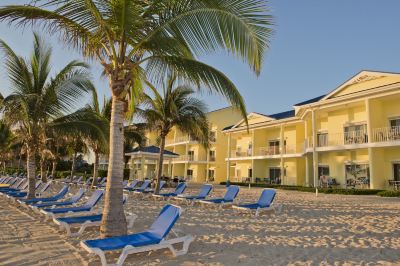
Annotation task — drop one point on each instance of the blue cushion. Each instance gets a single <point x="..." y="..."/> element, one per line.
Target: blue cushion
<point x="49" y="204"/>
<point x="266" y="198"/>
<point x="119" y="242"/>
<point x="65" y="210"/>
<point x="231" y="193"/>
<point x="81" y="219"/>
<point x="216" y="200"/>
<point x="250" y="206"/>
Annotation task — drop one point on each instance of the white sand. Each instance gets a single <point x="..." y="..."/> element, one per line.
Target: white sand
<point x="328" y="230"/>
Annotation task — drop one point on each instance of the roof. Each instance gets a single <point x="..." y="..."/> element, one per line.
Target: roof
<point x="151" y="149"/>
<point x="228" y="127"/>
<point x="313" y="100"/>
<point x="283" y="115"/>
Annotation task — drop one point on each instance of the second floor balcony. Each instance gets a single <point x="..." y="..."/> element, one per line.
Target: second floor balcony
<point x="385" y="134"/>
<point x="190" y="158"/>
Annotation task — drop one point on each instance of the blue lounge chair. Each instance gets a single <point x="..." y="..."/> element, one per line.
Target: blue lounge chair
<point x="143" y="187"/>
<point x="58" y="196"/>
<point x="178" y="191"/>
<point x="228" y="198"/>
<point x="22" y="193"/>
<point x="152" y="239"/>
<point x="88" y="206"/>
<point x="132" y="185"/>
<point x="86" y="221"/>
<point x="150" y="190"/>
<point x="264" y="203"/>
<point x="204" y="192"/>
<point x="52" y="204"/>
<point x="17" y="186"/>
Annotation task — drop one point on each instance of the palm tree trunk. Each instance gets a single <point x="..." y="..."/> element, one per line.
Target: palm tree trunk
<point x="42" y="171"/>
<point x="160" y="163"/>
<point x="73" y="165"/>
<point x="53" y="169"/>
<point x="114" y="220"/>
<point x="95" y="169"/>
<point x="31" y="168"/>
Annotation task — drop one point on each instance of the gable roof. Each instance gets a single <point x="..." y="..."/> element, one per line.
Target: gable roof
<point x="362" y="76"/>
<point x="150" y="149"/>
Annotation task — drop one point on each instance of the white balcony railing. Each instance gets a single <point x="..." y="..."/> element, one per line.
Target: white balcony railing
<point x="266" y="151"/>
<point x="386" y="134"/>
<point x="190" y="158"/>
<point x="179" y="140"/>
<point x="337" y="139"/>
<point x="240" y="153"/>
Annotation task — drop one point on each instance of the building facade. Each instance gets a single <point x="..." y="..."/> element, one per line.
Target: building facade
<point x="349" y="138"/>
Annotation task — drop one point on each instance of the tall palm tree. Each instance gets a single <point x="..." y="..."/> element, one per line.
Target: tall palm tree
<point x="175" y="107"/>
<point x="132" y="37"/>
<point x="39" y="101"/>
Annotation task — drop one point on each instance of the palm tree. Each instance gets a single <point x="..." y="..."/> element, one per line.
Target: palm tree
<point x="175" y="107"/>
<point x="138" y="39"/>
<point x="7" y="140"/>
<point x="38" y="102"/>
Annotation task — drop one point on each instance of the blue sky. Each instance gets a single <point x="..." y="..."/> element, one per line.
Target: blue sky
<point x="318" y="45"/>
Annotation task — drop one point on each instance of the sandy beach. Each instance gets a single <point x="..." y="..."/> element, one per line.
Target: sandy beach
<point x="327" y="230"/>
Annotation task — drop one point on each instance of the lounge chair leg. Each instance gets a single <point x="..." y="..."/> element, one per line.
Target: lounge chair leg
<point x="186" y="243"/>
<point x="124" y="254"/>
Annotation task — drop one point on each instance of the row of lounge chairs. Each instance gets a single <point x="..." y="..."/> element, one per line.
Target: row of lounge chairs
<point x="156" y="237"/>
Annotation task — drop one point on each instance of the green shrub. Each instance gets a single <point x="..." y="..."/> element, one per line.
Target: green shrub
<point x="389" y="193"/>
<point x="342" y="191"/>
<point x="103" y="173"/>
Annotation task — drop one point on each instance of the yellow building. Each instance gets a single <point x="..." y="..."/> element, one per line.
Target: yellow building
<point x="349" y="138"/>
<point x="195" y="162"/>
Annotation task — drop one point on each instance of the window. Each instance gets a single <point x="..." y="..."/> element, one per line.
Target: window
<point x="211" y="155"/>
<point x="275" y="175"/>
<point x="211" y="175"/>
<point x="355" y="134"/>
<point x="250" y="172"/>
<point x="189" y="173"/>
<point x="213" y="136"/>
<point x="323" y="171"/>
<point x="191" y="155"/>
<point x="396" y="171"/>
<point x="250" y="149"/>
<point x="395" y="123"/>
<point x="274" y="147"/>
<point x="322" y="139"/>
<point x="357" y="175"/>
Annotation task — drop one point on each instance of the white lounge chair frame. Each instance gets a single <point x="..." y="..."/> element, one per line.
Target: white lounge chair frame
<point x="82" y="227"/>
<point x="127" y="250"/>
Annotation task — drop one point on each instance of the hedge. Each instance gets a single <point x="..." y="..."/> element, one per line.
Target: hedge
<point x="389" y="193"/>
<point x="311" y="189"/>
<point x="103" y="173"/>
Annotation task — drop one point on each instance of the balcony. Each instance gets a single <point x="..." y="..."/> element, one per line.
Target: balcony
<point x="268" y="151"/>
<point x="190" y="158"/>
<point x="240" y="153"/>
<point x="385" y="134"/>
<point x="181" y="139"/>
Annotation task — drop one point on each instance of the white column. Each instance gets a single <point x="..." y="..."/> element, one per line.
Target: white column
<point x="253" y="147"/>
<point x="282" y="150"/>
<point x="306" y="144"/>
<point x="228" y="163"/>
<point x="370" y="140"/>
<point x="315" y="153"/>
<point x="132" y="169"/>
<point x="142" y="161"/>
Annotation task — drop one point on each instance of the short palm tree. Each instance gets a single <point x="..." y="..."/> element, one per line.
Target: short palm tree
<point x="38" y="101"/>
<point x="7" y="140"/>
<point x="175" y="107"/>
<point x="132" y="37"/>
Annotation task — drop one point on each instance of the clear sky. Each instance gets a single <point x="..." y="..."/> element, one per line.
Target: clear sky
<point x="318" y="45"/>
